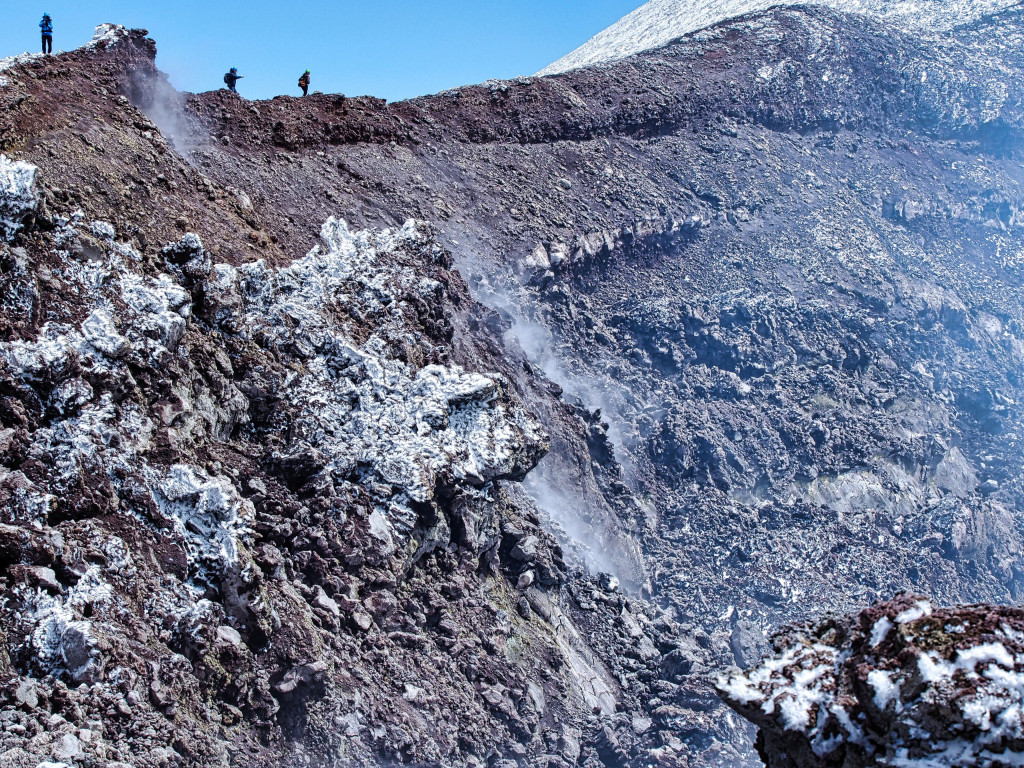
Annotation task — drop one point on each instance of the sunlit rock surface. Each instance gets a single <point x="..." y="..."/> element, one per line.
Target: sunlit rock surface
<point x="264" y="499"/>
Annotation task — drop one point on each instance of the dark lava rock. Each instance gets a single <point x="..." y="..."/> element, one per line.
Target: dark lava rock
<point x="900" y="683"/>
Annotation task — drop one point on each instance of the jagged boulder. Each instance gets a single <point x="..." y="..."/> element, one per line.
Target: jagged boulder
<point x="902" y="683"/>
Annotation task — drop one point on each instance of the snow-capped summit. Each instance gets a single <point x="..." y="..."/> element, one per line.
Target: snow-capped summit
<point x="659" y="22"/>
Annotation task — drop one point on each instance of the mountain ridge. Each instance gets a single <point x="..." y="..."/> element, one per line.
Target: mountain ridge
<point x="660" y="22"/>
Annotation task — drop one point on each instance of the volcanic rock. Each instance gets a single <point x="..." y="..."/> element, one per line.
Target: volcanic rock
<point x="900" y="683"/>
<point x="736" y="321"/>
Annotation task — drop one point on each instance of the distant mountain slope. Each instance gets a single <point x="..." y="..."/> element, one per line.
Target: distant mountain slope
<point x="659" y="22"/>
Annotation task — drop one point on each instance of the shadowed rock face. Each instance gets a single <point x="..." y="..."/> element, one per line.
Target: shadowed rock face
<point x="759" y="291"/>
<point x="900" y="683"/>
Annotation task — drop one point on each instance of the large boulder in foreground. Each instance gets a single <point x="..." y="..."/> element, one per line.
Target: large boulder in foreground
<point x="902" y="683"/>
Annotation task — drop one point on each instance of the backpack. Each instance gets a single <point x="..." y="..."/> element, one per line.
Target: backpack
<point x="227" y="78"/>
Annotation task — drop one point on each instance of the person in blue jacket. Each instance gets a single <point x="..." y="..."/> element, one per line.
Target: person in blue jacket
<point x="231" y="78"/>
<point x="46" y="25"/>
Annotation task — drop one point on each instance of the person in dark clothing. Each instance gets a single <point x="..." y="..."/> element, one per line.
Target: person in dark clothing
<point x="231" y="78"/>
<point x="304" y="82"/>
<point x="46" y="25"/>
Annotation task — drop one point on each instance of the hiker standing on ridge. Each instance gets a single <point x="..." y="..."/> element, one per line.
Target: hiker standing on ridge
<point x="304" y="82"/>
<point x="46" y="25"/>
<point x="231" y="78"/>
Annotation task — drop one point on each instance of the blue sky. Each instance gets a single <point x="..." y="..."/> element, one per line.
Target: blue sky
<point x="388" y="48"/>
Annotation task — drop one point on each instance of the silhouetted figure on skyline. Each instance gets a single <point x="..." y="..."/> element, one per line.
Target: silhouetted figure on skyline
<point x="46" y="25"/>
<point x="231" y="78"/>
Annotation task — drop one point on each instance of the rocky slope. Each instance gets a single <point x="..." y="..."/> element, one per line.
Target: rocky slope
<point x="780" y="256"/>
<point x="269" y="512"/>
<point x="759" y="288"/>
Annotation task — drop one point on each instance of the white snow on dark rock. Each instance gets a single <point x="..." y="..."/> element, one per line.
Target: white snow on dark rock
<point x="659" y="22"/>
<point x="944" y="689"/>
<point x="17" y="197"/>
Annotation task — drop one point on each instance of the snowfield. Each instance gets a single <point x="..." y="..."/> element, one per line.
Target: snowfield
<point x="659" y="22"/>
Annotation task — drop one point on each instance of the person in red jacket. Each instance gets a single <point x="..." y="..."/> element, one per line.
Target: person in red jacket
<point x="304" y="82"/>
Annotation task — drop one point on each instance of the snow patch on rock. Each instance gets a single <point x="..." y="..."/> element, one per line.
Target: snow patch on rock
<point x="880" y="631"/>
<point x="369" y="412"/>
<point x="17" y="195"/>
<point x="100" y="331"/>
<point x="208" y="513"/>
<point x="790" y="684"/>
<point x="945" y="689"/>
<point x="885" y="689"/>
<point x="21" y="58"/>
<point x="920" y="609"/>
<point x="62" y="641"/>
<point x="106" y="35"/>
